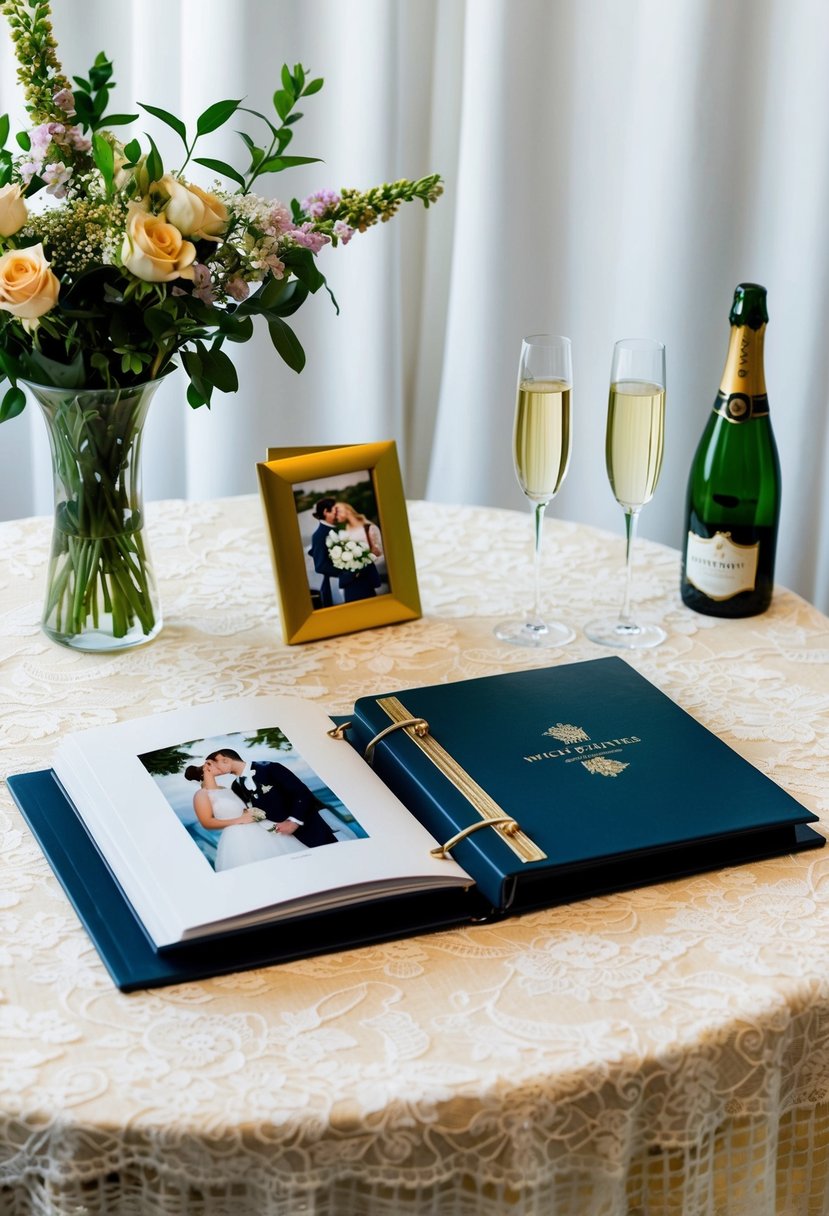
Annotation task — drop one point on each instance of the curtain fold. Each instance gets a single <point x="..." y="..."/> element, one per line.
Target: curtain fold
<point x="613" y="168"/>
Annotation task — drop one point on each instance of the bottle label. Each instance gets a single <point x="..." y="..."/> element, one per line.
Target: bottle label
<point x="741" y="407"/>
<point x="718" y="567"/>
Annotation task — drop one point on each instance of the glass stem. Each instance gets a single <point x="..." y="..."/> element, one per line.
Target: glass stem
<point x="631" y="519"/>
<point x="536" y="619"/>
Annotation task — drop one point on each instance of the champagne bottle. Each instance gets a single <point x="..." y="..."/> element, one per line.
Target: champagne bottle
<point x="733" y="502"/>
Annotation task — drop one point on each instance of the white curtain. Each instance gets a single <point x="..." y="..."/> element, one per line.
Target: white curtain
<point x="613" y="167"/>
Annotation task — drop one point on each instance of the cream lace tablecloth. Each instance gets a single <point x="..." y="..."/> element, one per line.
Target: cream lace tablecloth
<point x="659" y="1051"/>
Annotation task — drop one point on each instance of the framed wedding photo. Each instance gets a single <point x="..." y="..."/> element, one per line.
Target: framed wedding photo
<point x="340" y="542"/>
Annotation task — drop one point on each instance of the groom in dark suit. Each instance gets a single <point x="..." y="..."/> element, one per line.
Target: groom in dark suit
<point x="325" y="510"/>
<point x="274" y="789"/>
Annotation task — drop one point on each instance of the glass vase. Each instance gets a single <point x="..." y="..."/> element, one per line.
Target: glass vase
<point x="100" y="590"/>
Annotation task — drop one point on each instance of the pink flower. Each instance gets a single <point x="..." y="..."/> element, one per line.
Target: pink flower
<point x="275" y="266"/>
<point x="343" y="232"/>
<point x="79" y="142"/>
<point x="308" y="238"/>
<point x="279" y="220"/>
<point x="41" y="137"/>
<point x="64" y="100"/>
<point x="318" y="203"/>
<point x="237" y="288"/>
<point x="56" y="177"/>
<point x="203" y="284"/>
<point x="60" y="134"/>
<point x="28" y="169"/>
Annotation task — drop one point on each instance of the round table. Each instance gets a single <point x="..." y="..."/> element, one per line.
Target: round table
<point x="662" y="1050"/>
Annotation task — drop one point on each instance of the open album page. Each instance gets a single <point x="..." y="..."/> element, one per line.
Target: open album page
<point x="236" y="813"/>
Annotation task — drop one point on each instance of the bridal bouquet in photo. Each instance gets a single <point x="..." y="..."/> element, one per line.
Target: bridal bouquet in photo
<point x="115" y="268"/>
<point x="346" y="553"/>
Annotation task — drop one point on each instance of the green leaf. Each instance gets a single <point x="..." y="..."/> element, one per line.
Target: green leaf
<point x="155" y="165"/>
<point x="290" y="302"/>
<point x="220" y="369"/>
<point x="272" y="291"/>
<point x="313" y="86"/>
<point x="170" y="119"/>
<point x="84" y="84"/>
<point x="50" y="371"/>
<point x="299" y="76"/>
<point x="84" y="110"/>
<point x="195" y="370"/>
<point x="256" y="114"/>
<point x="13" y="403"/>
<point x="286" y="343"/>
<point x="101" y="71"/>
<point x="237" y="329"/>
<point x="194" y="398"/>
<point x="158" y="321"/>
<point x="132" y="151"/>
<point x="287" y="79"/>
<point x="275" y="164"/>
<point x="283" y="103"/>
<point x="36" y="184"/>
<point x="104" y="158"/>
<point x="118" y="120"/>
<point x="220" y="166"/>
<point x="22" y="138"/>
<point x="4" y="129"/>
<point x="100" y="101"/>
<point x="301" y="261"/>
<point x="216" y="115"/>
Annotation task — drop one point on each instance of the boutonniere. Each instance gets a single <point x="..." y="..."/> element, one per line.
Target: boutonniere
<point x="266" y="789"/>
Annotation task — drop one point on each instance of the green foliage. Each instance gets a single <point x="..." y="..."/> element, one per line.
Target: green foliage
<point x="13" y="403"/>
<point x="91" y="94"/>
<point x="104" y="158"/>
<point x="361" y="497"/>
<point x="167" y="761"/>
<point x="128" y="309"/>
<point x="271" y="737"/>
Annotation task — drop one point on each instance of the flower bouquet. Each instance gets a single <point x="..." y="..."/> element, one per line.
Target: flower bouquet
<point x="346" y="553"/>
<point x="114" y="269"/>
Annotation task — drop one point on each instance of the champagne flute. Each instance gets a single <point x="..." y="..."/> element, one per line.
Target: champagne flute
<point x="541" y="451"/>
<point x="633" y="452"/>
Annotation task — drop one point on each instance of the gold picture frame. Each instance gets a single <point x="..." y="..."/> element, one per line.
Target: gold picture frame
<point x="303" y="617"/>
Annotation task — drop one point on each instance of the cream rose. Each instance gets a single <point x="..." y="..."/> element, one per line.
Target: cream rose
<point x="193" y="211"/>
<point x="13" y="213"/>
<point x="28" y="289"/>
<point x="154" y="249"/>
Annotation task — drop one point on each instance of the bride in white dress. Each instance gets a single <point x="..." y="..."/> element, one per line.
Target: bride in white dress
<point x="242" y="839"/>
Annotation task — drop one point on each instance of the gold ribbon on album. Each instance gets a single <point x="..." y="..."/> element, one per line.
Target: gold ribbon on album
<point x="491" y="814"/>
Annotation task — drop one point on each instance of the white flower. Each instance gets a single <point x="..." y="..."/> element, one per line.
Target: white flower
<point x="346" y="553"/>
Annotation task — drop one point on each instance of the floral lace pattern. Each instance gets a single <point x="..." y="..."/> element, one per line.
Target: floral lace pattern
<point x="659" y="1051"/>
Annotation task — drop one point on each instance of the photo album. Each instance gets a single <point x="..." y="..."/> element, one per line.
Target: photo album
<point x="247" y="832"/>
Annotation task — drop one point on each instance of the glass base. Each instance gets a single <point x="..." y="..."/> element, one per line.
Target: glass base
<point x="612" y="632"/>
<point x="103" y="640"/>
<point x="539" y="635"/>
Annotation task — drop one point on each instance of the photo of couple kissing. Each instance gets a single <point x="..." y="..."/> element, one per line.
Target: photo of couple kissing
<point x="340" y="522"/>
<point x="265" y="811"/>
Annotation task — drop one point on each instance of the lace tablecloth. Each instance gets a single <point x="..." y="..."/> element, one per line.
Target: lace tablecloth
<point x="659" y="1051"/>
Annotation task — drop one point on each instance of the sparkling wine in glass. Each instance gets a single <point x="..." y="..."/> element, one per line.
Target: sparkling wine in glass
<point x="541" y="452"/>
<point x="633" y="452"/>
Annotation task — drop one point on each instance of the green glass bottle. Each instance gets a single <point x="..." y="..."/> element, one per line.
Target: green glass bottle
<point x="733" y="503"/>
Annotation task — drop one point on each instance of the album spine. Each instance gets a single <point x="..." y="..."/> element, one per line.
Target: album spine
<point x="435" y="803"/>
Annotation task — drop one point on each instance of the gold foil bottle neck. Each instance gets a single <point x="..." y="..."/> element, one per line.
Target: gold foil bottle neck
<point x="744" y="371"/>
